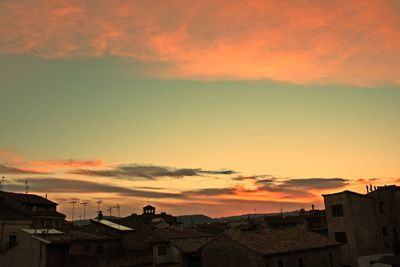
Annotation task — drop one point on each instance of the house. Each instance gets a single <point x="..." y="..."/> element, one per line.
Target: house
<point x="11" y="222"/>
<point x="291" y="247"/>
<point x="18" y="211"/>
<point x="51" y="247"/>
<point x="312" y="220"/>
<point x="136" y="250"/>
<point x="366" y="224"/>
<point x="178" y="247"/>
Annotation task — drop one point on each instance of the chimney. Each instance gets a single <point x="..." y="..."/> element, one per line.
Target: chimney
<point x="100" y="215"/>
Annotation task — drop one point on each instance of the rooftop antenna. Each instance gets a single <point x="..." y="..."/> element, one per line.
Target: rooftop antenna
<point x="84" y="204"/>
<point x="110" y="210"/>
<point x="98" y="204"/>
<point x="118" y="209"/>
<point x="73" y="202"/>
<point x="27" y="187"/>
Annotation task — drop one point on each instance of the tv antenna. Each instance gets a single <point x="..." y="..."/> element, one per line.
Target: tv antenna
<point x="118" y="209"/>
<point x="98" y="204"/>
<point x="73" y="202"/>
<point x="84" y="204"/>
<point x="27" y="187"/>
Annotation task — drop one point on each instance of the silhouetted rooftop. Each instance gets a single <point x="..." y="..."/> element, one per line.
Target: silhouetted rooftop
<point x="28" y="198"/>
<point x="190" y="245"/>
<point x="273" y="241"/>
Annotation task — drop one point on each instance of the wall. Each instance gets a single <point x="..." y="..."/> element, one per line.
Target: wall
<point x="30" y="252"/>
<point x="11" y="226"/>
<point x="311" y="258"/>
<point x="360" y="224"/>
<point x="173" y="254"/>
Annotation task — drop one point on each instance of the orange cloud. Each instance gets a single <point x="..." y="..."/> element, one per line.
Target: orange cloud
<point x="351" y="42"/>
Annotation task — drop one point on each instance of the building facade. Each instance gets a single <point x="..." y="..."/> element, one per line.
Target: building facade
<point x="365" y="224"/>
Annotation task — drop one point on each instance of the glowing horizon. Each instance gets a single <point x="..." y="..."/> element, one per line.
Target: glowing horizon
<point x="214" y="108"/>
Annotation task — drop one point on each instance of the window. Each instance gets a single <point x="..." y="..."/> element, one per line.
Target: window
<point x="301" y="263"/>
<point x="87" y="248"/>
<point x="161" y="250"/>
<point x="384" y="231"/>
<point x="280" y="263"/>
<point x="337" y="210"/>
<point x="12" y="240"/>
<point x="341" y="237"/>
<point x="381" y="207"/>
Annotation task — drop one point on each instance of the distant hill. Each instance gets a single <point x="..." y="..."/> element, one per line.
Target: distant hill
<point x="194" y="219"/>
<point x="239" y="217"/>
<point x="200" y="218"/>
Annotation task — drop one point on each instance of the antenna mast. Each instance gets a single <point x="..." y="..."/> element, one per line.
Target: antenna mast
<point x="84" y="203"/>
<point x="118" y="209"/>
<point x="27" y="187"/>
<point x="98" y="204"/>
<point x="73" y="202"/>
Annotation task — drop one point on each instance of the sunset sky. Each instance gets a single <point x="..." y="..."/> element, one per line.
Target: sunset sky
<point x="212" y="107"/>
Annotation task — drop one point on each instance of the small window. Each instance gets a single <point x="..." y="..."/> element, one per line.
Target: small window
<point x="12" y="240"/>
<point x="384" y="231"/>
<point x="301" y="263"/>
<point x="161" y="250"/>
<point x="337" y="210"/>
<point x="381" y="207"/>
<point x="341" y="237"/>
<point x="280" y="263"/>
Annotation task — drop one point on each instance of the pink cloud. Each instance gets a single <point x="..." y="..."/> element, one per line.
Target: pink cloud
<point x="351" y="42"/>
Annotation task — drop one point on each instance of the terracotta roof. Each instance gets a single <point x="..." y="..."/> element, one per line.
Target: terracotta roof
<point x="189" y="245"/>
<point x="273" y="241"/>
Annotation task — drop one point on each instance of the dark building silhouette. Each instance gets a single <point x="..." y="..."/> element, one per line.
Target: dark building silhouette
<point x="291" y="247"/>
<point x="367" y="225"/>
<point x="18" y="211"/>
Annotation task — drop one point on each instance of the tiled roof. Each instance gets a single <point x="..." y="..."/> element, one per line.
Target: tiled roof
<point x="172" y="234"/>
<point x="189" y="245"/>
<point x="273" y="241"/>
<point x="73" y="237"/>
<point x="11" y="214"/>
<point x="28" y="198"/>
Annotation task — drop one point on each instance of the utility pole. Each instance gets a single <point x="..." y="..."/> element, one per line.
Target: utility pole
<point x="73" y="202"/>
